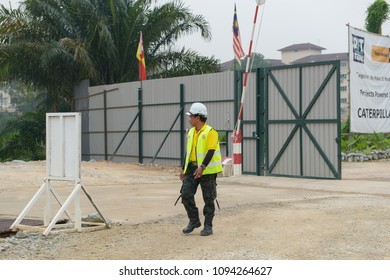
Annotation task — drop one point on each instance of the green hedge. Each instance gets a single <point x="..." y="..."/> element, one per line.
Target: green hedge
<point x="362" y="143"/>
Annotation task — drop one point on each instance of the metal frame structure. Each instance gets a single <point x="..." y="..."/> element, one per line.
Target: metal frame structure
<point x="63" y="160"/>
<point x="303" y="122"/>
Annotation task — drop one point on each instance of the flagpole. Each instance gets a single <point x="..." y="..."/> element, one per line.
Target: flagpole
<point x="237" y="134"/>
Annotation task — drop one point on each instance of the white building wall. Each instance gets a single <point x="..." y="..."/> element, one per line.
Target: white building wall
<point x="5" y="102"/>
<point x="290" y="56"/>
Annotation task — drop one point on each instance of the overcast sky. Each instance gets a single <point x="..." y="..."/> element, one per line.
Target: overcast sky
<point x="281" y="23"/>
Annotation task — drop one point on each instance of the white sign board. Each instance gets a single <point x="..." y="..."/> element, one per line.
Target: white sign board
<point x="63" y="160"/>
<point x="369" y="62"/>
<point x="63" y="146"/>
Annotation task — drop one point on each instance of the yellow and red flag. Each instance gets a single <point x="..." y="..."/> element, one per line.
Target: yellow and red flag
<point x="141" y="58"/>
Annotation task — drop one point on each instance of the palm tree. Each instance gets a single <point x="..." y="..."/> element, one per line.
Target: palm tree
<point x="54" y="44"/>
<point x="31" y="53"/>
<point x="182" y="63"/>
<point x="51" y="45"/>
<point x="377" y="14"/>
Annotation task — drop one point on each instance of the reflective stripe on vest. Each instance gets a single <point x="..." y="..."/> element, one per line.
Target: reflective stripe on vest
<point x="215" y="165"/>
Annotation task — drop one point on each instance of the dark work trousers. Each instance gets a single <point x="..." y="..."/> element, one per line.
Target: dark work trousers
<point x="208" y="184"/>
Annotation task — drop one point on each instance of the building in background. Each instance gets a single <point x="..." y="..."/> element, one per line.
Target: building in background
<point x="5" y="103"/>
<point x="308" y="53"/>
<point x="295" y="52"/>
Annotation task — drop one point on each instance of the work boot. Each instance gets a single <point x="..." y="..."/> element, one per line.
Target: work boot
<point x="191" y="226"/>
<point x="207" y="230"/>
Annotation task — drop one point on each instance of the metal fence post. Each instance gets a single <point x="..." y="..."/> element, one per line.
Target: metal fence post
<point x="260" y="123"/>
<point x="182" y="130"/>
<point x="140" y="129"/>
<point x="105" y="124"/>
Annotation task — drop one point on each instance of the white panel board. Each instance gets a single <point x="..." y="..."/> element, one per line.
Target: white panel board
<point x="63" y="151"/>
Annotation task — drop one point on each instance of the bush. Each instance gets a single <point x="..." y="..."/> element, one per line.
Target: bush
<point x="362" y="143"/>
<point x="23" y="138"/>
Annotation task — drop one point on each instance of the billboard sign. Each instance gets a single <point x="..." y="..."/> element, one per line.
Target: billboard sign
<point x="369" y="81"/>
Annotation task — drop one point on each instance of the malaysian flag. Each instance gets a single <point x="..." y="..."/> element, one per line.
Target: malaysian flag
<point x="237" y="47"/>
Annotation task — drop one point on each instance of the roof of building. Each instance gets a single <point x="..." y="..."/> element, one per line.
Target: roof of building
<point x="298" y="47"/>
<point x="322" y="57"/>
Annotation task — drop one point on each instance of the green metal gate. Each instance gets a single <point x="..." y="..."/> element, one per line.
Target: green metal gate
<point x="253" y="121"/>
<point x="303" y="120"/>
<point x="291" y="121"/>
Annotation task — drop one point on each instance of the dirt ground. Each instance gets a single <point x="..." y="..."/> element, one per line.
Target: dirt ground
<point x="260" y="217"/>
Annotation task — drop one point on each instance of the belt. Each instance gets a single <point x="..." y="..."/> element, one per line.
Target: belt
<point x="194" y="163"/>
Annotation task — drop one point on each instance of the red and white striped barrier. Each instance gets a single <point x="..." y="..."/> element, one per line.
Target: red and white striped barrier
<point x="237" y="134"/>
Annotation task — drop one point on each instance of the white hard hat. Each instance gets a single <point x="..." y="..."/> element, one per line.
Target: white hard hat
<point x="197" y="109"/>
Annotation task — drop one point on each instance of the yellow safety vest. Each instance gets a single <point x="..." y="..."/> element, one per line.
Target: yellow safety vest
<point x="215" y="165"/>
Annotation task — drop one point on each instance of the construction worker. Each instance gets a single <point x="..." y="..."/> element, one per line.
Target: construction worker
<point x="202" y="164"/>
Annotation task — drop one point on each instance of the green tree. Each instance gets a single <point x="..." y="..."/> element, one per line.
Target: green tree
<point x="257" y="61"/>
<point x="23" y="138"/>
<point x="29" y="53"/>
<point x="183" y="63"/>
<point x="377" y="14"/>
<point x="49" y="46"/>
<point x="54" y="44"/>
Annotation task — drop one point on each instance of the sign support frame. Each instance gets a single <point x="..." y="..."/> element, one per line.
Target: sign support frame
<point x="63" y="161"/>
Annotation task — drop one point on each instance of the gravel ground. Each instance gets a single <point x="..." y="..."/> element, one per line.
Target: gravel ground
<point x="303" y="225"/>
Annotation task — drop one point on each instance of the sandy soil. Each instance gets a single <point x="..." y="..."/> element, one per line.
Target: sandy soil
<point x="260" y="218"/>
